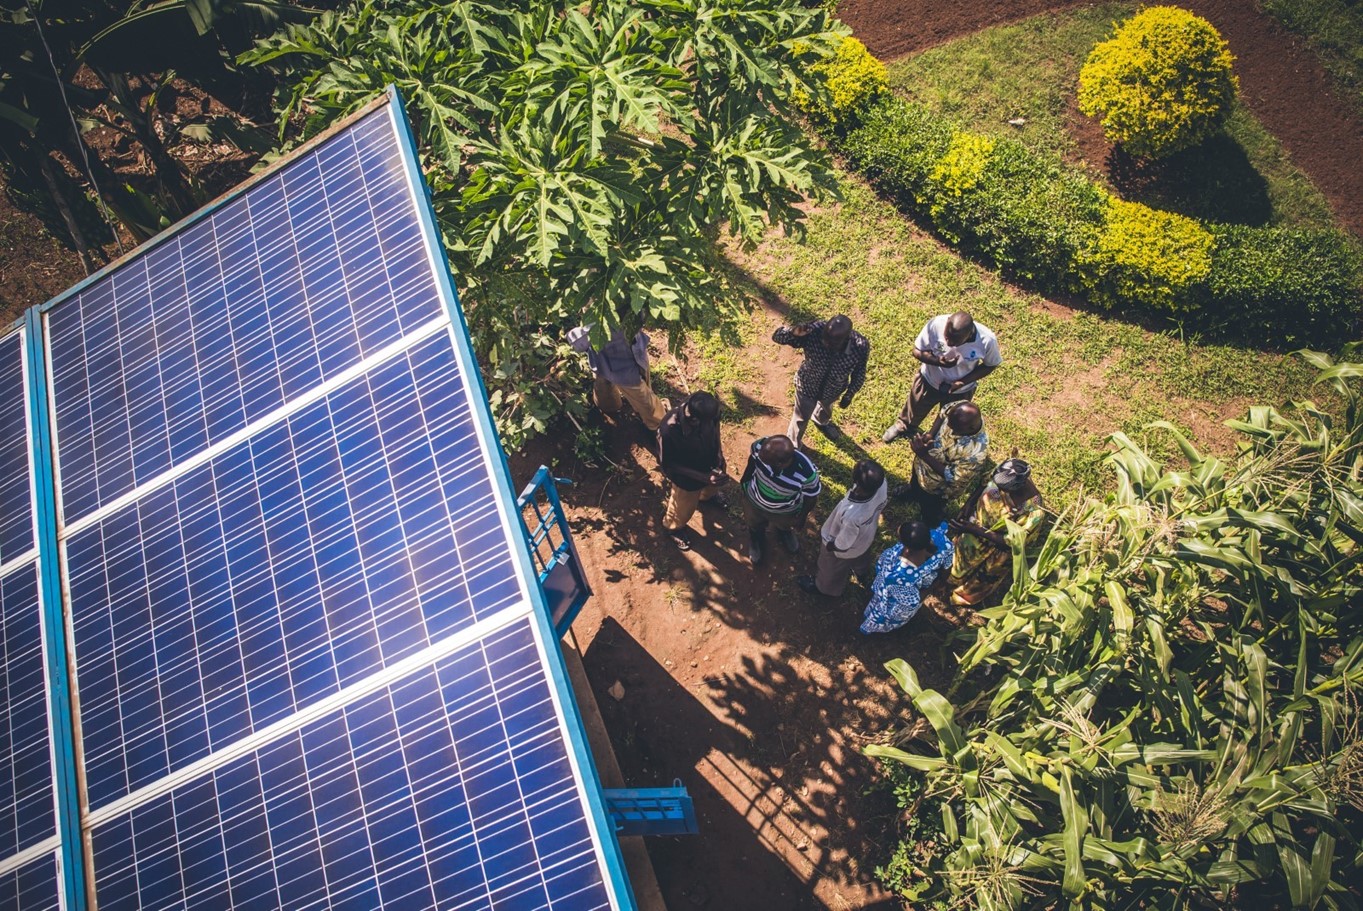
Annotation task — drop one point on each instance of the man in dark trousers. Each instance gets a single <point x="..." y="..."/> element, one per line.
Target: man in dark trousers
<point x="955" y="353"/>
<point x="834" y="365"/>
<point x="779" y="487"/>
<point x="690" y="455"/>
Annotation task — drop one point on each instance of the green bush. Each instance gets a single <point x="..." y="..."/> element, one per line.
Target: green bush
<point x="1023" y="213"/>
<point x="853" y="78"/>
<point x="1155" y="260"/>
<point x="1162" y="83"/>
<point x="897" y="145"/>
<point x="953" y="183"/>
<point x="1296" y="285"/>
<point x="1053" y="227"/>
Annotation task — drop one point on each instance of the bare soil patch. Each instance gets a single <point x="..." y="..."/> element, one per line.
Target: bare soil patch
<point x="753" y="693"/>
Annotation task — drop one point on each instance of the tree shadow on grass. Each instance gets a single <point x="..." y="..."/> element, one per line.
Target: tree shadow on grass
<point x="1213" y="182"/>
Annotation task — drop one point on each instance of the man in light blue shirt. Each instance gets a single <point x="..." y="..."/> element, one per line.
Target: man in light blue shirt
<point x="621" y="371"/>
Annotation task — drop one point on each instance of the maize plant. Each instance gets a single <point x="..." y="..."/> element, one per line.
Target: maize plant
<point x="1163" y="712"/>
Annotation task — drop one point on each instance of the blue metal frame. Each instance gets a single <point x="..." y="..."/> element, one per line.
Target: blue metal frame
<point x="74" y="879"/>
<point x="619" y="883"/>
<point x="653" y="811"/>
<point x="561" y="575"/>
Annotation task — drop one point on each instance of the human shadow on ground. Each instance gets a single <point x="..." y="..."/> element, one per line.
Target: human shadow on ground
<point x="786" y="819"/>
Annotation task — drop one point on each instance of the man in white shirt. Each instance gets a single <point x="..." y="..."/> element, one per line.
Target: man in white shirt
<point x="956" y="353"/>
<point x="849" y="531"/>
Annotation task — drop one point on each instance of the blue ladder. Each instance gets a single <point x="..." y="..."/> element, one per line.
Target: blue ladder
<point x="551" y="548"/>
<point x="652" y="811"/>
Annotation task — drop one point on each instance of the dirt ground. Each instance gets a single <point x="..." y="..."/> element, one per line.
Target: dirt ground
<point x="756" y="695"/>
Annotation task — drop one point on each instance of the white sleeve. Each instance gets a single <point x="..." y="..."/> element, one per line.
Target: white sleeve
<point x="992" y="357"/>
<point x="924" y="341"/>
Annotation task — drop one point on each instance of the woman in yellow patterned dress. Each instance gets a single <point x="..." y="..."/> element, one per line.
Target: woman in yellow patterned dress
<point x="984" y="563"/>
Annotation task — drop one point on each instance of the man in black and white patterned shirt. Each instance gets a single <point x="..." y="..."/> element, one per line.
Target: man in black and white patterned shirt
<point x="834" y="365"/>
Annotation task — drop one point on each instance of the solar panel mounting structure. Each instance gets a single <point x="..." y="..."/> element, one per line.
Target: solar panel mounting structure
<point x="250" y="488"/>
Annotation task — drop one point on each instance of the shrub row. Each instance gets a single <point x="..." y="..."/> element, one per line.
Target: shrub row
<point x="1053" y="227"/>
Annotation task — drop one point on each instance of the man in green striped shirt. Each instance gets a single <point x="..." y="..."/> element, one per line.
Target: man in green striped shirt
<point x="780" y="486"/>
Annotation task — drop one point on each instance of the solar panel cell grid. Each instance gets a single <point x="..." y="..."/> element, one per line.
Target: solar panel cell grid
<point x="354" y="533"/>
<point x="32" y="887"/>
<point x="26" y="814"/>
<point x="448" y="789"/>
<point x="238" y="314"/>
<point x="16" y="501"/>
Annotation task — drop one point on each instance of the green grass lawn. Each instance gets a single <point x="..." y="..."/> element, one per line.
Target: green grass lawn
<point x="1069" y="378"/>
<point x="1030" y="70"/>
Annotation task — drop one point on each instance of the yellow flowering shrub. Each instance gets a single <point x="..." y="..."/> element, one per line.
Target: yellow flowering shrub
<point x="1161" y="83"/>
<point x="1148" y="257"/>
<point x="853" y="77"/>
<point x="957" y="173"/>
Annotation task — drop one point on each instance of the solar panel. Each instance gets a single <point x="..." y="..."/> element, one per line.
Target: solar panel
<point x="27" y="816"/>
<point x="277" y="291"/>
<point x="448" y="789"/>
<point x="314" y="553"/>
<point x="310" y="667"/>
<point x="16" y="501"/>
<point x="31" y="886"/>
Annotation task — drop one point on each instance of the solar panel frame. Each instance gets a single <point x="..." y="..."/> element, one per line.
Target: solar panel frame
<point x="579" y="756"/>
<point x="63" y="846"/>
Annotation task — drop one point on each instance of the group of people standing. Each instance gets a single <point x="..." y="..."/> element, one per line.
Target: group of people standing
<point x="780" y="482"/>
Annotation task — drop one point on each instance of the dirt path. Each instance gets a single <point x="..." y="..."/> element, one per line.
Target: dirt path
<point x="1281" y="80"/>
<point x="751" y="692"/>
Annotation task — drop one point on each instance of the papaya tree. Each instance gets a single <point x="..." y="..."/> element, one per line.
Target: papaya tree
<point x="584" y="159"/>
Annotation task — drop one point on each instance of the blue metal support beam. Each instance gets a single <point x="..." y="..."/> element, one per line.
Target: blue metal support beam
<point x="73" y="879"/>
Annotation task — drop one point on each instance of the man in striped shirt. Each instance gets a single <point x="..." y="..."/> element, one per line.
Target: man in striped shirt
<point x="780" y="486"/>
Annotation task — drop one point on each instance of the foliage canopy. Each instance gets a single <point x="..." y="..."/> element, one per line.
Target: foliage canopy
<point x="1164" y="710"/>
<point x="583" y="164"/>
<point x="1162" y="83"/>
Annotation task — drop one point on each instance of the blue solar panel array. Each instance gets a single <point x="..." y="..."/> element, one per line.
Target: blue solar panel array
<point x="239" y="313"/>
<point x="308" y="667"/>
<point x="354" y="532"/>
<point x="16" y="500"/>
<point x="450" y="789"/>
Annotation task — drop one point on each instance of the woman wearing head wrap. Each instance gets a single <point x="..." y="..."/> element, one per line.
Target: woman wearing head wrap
<point x="984" y="561"/>
<point x="903" y="573"/>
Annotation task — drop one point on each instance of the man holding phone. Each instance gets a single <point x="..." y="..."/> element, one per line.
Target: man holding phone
<point x="955" y="353"/>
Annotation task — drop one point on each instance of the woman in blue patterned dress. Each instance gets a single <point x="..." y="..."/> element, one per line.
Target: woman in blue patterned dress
<point x="903" y="573"/>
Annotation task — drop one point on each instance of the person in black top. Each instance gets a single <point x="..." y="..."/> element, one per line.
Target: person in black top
<point x="690" y="456"/>
<point x="834" y="365"/>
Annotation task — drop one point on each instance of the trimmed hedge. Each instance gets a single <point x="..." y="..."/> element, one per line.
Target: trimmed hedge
<point x="1295" y="284"/>
<point x="1155" y="260"/>
<point x="1053" y="227"/>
